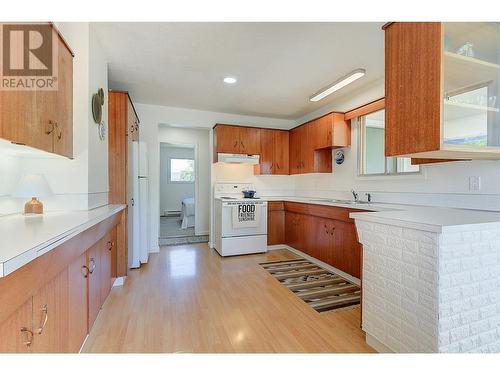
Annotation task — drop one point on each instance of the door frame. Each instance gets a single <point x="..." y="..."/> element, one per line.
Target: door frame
<point x="195" y="146"/>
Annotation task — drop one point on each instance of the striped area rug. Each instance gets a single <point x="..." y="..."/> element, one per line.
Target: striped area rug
<point x="319" y="288"/>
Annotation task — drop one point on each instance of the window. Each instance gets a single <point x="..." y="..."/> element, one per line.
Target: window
<point x="181" y="170"/>
<point x="371" y="154"/>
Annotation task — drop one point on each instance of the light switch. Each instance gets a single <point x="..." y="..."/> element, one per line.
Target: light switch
<point x="474" y="183"/>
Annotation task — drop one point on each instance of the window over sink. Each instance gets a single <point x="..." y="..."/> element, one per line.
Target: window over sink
<point x="371" y="149"/>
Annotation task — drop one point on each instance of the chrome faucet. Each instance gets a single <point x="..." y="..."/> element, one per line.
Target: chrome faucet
<point x="355" y="195"/>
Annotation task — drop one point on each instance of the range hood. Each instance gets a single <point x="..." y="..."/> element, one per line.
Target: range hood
<point x="238" y="158"/>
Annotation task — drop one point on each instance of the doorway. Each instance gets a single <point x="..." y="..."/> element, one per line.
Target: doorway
<point x="178" y="174"/>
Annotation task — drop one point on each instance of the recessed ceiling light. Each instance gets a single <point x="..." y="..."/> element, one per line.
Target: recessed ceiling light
<point x="230" y="80"/>
<point x="337" y="85"/>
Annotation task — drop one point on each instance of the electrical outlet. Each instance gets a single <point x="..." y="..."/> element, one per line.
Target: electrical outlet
<point x="474" y="183"/>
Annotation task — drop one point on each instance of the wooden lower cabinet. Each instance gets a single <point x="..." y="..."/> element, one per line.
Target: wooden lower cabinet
<point x="328" y="237"/>
<point x="94" y="282"/>
<point x="51" y="316"/>
<point x="57" y="316"/>
<point x="323" y="232"/>
<point x="78" y="304"/>
<point x="16" y="332"/>
<point x="106" y="276"/>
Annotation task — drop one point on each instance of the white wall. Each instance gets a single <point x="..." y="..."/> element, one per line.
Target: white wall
<point x="152" y="116"/>
<point x="172" y="193"/>
<point x="81" y="182"/>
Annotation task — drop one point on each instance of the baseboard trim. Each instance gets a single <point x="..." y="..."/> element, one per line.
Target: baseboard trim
<point x="155" y="250"/>
<point x="324" y="265"/>
<point x="119" y="281"/>
<point x="377" y="345"/>
<point x="201" y="233"/>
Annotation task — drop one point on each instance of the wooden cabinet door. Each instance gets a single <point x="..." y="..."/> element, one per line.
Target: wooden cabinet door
<point x="307" y="148"/>
<point x="105" y="270"/>
<point x="94" y="282"/>
<point x="267" y="163"/>
<point x="291" y="233"/>
<point x="63" y="135"/>
<point x="322" y="134"/>
<point x="281" y="152"/>
<point x="351" y="249"/>
<point x="336" y="255"/>
<point x="227" y="139"/>
<point x="249" y="139"/>
<point x="295" y="151"/>
<point x="50" y="316"/>
<point x="22" y="122"/>
<point x="16" y="333"/>
<point x="276" y="227"/>
<point x="78" y="304"/>
<point x="323" y="239"/>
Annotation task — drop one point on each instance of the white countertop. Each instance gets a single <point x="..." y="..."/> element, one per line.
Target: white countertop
<point x="24" y="238"/>
<point x="430" y="218"/>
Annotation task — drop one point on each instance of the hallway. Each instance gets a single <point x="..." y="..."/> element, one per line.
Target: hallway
<point x="189" y="299"/>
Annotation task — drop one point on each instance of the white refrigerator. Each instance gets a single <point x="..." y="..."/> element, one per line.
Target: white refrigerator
<point x="144" y="216"/>
<point x="138" y="213"/>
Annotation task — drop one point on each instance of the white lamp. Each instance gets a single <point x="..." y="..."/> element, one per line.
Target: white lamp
<point x="33" y="186"/>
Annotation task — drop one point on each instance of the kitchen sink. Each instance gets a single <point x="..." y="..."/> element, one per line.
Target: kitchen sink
<point x="340" y="201"/>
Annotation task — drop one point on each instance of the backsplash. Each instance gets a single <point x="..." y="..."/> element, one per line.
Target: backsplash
<point x="383" y="190"/>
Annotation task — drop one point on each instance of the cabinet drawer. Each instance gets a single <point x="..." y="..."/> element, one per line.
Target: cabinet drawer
<point x="275" y="206"/>
<point x="330" y="212"/>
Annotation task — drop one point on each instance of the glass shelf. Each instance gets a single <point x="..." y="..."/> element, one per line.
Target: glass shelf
<point x="471" y="69"/>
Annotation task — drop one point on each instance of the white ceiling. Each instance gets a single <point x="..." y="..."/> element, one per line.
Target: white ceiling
<point x="278" y="65"/>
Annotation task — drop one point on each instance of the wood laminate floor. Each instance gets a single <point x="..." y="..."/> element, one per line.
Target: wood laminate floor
<point x="189" y="299"/>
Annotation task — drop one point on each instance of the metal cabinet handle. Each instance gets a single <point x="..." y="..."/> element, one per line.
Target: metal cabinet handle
<point x="110" y="245"/>
<point x="85" y="271"/>
<point x="28" y="336"/>
<point x="92" y="265"/>
<point x="58" y="131"/>
<point x="332" y="231"/>
<point x="132" y="128"/>
<point x="242" y="144"/>
<point x="45" y="312"/>
<point x="326" y="229"/>
<point x="50" y="127"/>
<point x="132" y="201"/>
<point x="136" y="126"/>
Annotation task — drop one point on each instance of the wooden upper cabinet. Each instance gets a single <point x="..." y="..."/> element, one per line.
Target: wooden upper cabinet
<point x="42" y="119"/>
<point x="249" y="140"/>
<point x="441" y="90"/>
<point x="331" y="131"/>
<point x="301" y="152"/>
<point x="227" y="139"/>
<point x="63" y="137"/>
<point x="295" y="156"/>
<point x="232" y="139"/>
<point x="274" y="146"/>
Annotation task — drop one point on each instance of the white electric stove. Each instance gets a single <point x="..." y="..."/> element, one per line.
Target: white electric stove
<point x="240" y="223"/>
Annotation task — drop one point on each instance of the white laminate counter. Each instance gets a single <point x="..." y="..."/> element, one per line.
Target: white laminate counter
<point x="429" y="218"/>
<point x="24" y="238"/>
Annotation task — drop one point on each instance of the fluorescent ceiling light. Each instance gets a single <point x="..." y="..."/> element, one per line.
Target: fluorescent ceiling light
<point x="337" y="85"/>
<point x="229" y="80"/>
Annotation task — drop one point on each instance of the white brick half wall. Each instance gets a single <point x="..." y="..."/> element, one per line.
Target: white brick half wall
<point x="431" y="291"/>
